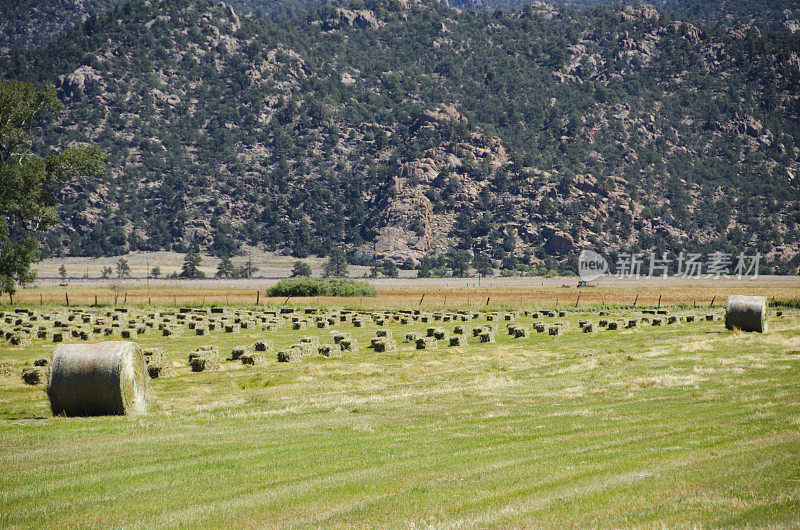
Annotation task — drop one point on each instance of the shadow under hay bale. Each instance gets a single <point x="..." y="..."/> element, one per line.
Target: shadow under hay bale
<point x="98" y="379"/>
<point x="746" y="313"/>
<point x="33" y="375"/>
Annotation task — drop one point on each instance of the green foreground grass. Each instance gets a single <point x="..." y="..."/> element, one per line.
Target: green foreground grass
<point x="679" y="425"/>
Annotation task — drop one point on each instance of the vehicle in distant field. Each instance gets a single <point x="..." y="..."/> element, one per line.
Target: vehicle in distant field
<point x="582" y="283"/>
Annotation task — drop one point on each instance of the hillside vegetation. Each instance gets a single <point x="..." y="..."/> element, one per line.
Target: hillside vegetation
<point x="27" y="23"/>
<point x="404" y="129"/>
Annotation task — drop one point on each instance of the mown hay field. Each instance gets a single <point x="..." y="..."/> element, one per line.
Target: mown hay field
<point x="681" y="423"/>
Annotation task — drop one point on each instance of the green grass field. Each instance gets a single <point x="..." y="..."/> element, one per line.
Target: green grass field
<point x="679" y="425"/>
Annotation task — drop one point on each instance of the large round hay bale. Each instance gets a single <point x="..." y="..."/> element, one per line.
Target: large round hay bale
<point x="747" y="313"/>
<point x="98" y="379"/>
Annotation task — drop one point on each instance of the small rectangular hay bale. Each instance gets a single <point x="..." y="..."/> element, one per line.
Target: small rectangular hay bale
<point x="252" y="358"/>
<point x="349" y="344"/>
<point x="204" y="358"/>
<point x="290" y="355"/>
<point x="262" y="346"/>
<point x="329" y="350"/>
<point x="487" y="337"/>
<point x="458" y="340"/>
<point x="426" y="343"/>
<point x="384" y="345"/>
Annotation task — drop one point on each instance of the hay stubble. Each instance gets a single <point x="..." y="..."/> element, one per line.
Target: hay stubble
<point x="619" y="429"/>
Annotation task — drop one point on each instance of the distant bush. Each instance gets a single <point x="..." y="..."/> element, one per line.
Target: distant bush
<point x="787" y="304"/>
<point x="321" y="287"/>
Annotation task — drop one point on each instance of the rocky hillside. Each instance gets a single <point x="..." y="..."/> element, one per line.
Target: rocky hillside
<point x="29" y="23"/>
<point x="403" y="129"/>
<point x="764" y="14"/>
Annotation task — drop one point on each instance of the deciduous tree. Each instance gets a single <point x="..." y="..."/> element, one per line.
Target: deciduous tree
<point x="28" y="178"/>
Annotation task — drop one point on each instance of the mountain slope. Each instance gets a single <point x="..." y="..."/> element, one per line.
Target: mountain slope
<point x="30" y="23"/>
<point x="412" y="128"/>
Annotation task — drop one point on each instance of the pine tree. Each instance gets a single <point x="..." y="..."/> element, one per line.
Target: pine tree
<point x="336" y="266"/>
<point x="225" y="268"/>
<point x="191" y="263"/>
<point x="482" y="264"/>
<point x="458" y="261"/>
<point x="301" y="268"/>
<point x="123" y="269"/>
<point x="389" y="269"/>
